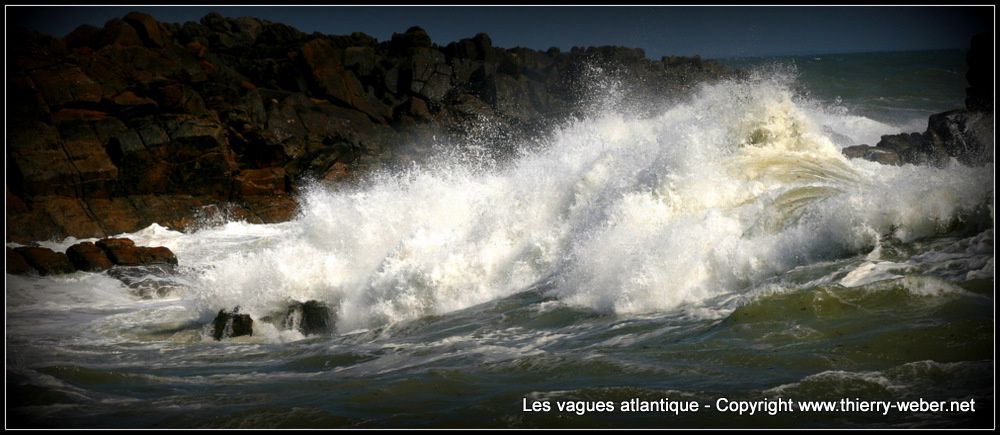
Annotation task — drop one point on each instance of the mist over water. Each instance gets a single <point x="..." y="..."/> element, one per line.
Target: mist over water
<point x="724" y="245"/>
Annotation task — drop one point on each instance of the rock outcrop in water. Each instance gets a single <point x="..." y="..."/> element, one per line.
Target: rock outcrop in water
<point x="229" y="324"/>
<point x="309" y="318"/>
<point x="45" y="260"/>
<point x="965" y="134"/>
<point x="111" y="129"/>
<point x="86" y="257"/>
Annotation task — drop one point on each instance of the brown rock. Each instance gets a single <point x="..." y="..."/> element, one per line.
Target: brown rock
<point x="272" y="209"/>
<point x="83" y="36"/>
<point x="111" y="243"/>
<point x="88" y="156"/>
<point x="32" y="224"/>
<point x="116" y="215"/>
<point x="337" y="172"/>
<point x="416" y="108"/>
<point x="327" y="67"/>
<point x="37" y="153"/>
<point x="64" y="84"/>
<point x="71" y="215"/>
<point x="267" y="181"/>
<point x="118" y="33"/>
<point x="123" y="252"/>
<point x="147" y="28"/>
<point x="126" y="256"/>
<point x="157" y="255"/>
<point x="46" y="261"/>
<point x="88" y="257"/>
<point x="16" y="264"/>
<point x="64" y="115"/>
<point x="128" y="100"/>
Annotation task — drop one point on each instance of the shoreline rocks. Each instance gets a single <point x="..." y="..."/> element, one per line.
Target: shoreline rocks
<point x="112" y="129"/>
<point x="964" y="134"/>
<point x="45" y="260"/>
<point x="86" y="257"/>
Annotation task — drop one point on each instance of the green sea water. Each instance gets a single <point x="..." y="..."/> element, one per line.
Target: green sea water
<point x="900" y="88"/>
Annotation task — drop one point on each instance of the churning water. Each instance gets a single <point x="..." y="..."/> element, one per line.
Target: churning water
<point x="723" y="248"/>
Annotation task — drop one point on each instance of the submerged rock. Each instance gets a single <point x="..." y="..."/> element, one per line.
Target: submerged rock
<point x="232" y="324"/>
<point x="88" y="257"/>
<point x="311" y="317"/>
<point x="875" y="154"/>
<point x="45" y="260"/>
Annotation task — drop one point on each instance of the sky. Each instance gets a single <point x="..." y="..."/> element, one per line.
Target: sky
<point x="711" y="32"/>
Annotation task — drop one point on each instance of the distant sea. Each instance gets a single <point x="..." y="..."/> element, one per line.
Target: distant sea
<point x="898" y="88"/>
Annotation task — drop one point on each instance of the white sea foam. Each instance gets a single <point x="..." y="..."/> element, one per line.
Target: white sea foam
<point x="622" y="215"/>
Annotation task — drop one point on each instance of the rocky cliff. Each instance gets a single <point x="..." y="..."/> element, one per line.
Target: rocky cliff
<point x="111" y="129"/>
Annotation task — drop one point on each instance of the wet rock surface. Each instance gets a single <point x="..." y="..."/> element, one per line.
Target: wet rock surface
<point x="966" y="135"/>
<point x="87" y="257"/>
<point x="228" y="324"/>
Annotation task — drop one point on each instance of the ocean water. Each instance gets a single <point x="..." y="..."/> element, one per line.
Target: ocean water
<point x="722" y="249"/>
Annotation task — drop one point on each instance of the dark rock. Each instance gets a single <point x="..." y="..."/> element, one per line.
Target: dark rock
<point x="147" y="28"/>
<point x="118" y="33"/>
<point x="416" y="108"/>
<point x="309" y="318"/>
<point x="479" y="47"/>
<point x="328" y="70"/>
<point x="428" y="74"/>
<point x="65" y="84"/>
<point x="16" y="264"/>
<point x="414" y="37"/>
<point x="966" y="135"/>
<point x="45" y="260"/>
<point x="83" y="36"/>
<point x="137" y="122"/>
<point x="88" y="257"/>
<point x="133" y="103"/>
<point x="362" y="60"/>
<point x="231" y="324"/>
<point x="39" y="159"/>
<point x="157" y="255"/>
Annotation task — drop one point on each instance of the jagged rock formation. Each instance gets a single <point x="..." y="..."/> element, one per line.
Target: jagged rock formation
<point x="111" y="129"/>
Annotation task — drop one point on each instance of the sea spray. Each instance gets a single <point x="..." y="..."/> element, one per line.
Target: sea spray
<point x="620" y="214"/>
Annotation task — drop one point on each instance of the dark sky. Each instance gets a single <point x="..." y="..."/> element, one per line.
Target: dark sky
<point x="708" y="31"/>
